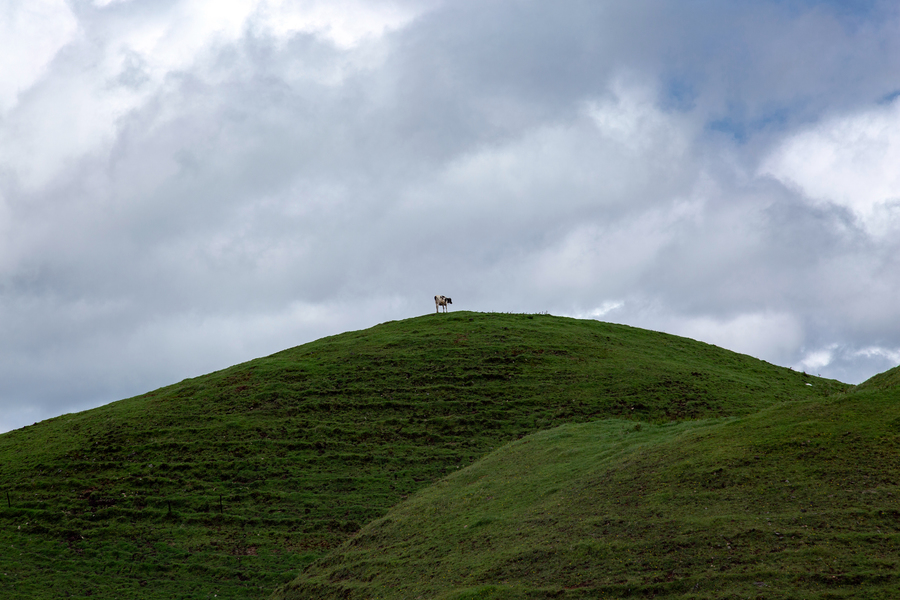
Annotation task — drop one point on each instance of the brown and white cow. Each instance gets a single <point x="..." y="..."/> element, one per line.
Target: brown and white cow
<point x="440" y="301"/>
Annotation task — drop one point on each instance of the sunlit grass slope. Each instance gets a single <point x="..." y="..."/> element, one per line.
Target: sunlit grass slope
<point x="230" y="483"/>
<point x="796" y="501"/>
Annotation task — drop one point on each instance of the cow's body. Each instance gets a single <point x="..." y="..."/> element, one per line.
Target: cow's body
<point x="440" y="301"/>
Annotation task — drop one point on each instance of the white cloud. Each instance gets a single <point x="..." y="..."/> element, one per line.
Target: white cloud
<point x="610" y="306"/>
<point x="619" y="154"/>
<point x="769" y="335"/>
<point x="346" y="23"/>
<point x="844" y="361"/>
<point x="849" y="160"/>
<point x="630" y="117"/>
<point x="815" y="360"/>
<point x="31" y="34"/>
<point x="124" y="61"/>
<point x="174" y="39"/>
<point x="890" y="354"/>
<point x="607" y="259"/>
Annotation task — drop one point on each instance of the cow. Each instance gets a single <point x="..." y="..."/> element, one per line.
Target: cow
<point x="440" y="301"/>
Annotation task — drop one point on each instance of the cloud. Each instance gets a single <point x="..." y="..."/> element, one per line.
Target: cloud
<point x="601" y="311"/>
<point x="849" y="161"/>
<point x="125" y="57"/>
<point x="775" y="337"/>
<point x="817" y="359"/>
<point x="346" y="23"/>
<point x="841" y="361"/>
<point x="31" y="35"/>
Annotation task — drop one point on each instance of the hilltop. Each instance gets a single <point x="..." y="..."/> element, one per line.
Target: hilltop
<point x="231" y="483"/>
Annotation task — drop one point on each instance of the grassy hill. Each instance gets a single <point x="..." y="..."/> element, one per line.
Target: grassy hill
<point x="229" y="484"/>
<point x="796" y="501"/>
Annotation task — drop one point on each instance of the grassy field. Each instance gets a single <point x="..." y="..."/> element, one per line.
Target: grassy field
<point x="228" y="485"/>
<point x="796" y="501"/>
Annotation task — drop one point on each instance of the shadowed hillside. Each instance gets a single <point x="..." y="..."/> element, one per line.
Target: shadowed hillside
<point x="229" y="484"/>
<point x="796" y="501"/>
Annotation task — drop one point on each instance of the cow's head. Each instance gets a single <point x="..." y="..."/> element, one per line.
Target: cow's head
<point x="449" y="301"/>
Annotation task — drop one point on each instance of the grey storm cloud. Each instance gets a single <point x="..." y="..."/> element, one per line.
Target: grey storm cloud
<point x="189" y="184"/>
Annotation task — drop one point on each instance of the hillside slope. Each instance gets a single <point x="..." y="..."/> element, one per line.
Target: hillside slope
<point x="230" y="483"/>
<point x="796" y="501"/>
<point x="889" y="380"/>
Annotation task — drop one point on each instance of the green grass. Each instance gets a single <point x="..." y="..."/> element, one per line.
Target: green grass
<point x="797" y="501"/>
<point x="231" y="483"/>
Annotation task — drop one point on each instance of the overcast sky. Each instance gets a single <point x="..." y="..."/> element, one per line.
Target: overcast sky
<point x="190" y="184"/>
